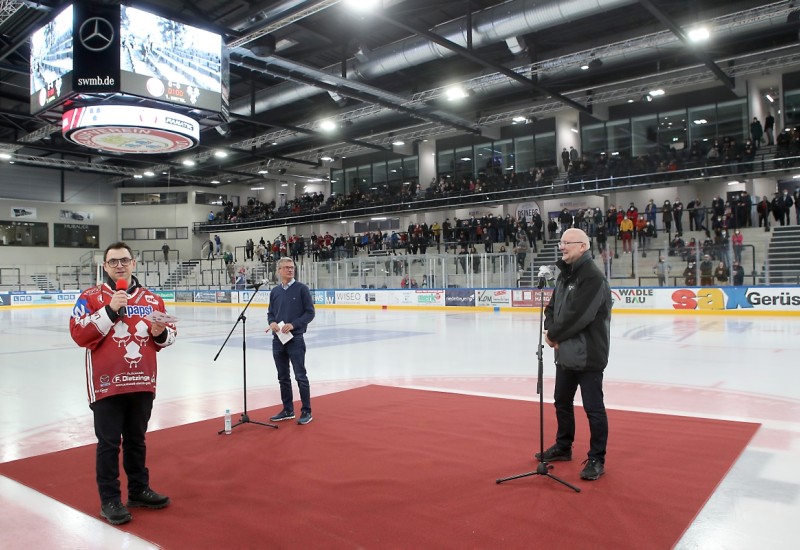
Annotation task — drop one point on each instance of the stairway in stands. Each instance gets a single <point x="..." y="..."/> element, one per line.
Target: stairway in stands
<point x="547" y="255"/>
<point x="783" y="257"/>
<point x="43" y="282"/>
<point x="183" y="270"/>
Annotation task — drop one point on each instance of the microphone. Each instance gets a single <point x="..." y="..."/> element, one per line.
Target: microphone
<point x="257" y="285"/>
<point x="122" y="284"/>
<point x="545" y="274"/>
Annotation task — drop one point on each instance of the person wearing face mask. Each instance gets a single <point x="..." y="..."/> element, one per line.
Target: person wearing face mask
<point x="738" y="244"/>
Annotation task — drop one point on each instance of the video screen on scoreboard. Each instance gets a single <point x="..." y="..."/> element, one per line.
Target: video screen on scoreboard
<point x="170" y="61"/>
<point x="51" y="61"/>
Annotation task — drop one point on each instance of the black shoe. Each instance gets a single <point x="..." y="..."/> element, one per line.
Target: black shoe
<point x="593" y="469"/>
<point x="555" y="454"/>
<point x="147" y="498"/>
<point x="283" y="415"/>
<point x="305" y="418"/>
<point x="115" y="512"/>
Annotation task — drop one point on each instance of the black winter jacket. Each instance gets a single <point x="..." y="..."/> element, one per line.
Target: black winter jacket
<point x="578" y="316"/>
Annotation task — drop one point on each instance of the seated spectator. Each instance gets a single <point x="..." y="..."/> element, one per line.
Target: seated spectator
<point x="408" y="282"/>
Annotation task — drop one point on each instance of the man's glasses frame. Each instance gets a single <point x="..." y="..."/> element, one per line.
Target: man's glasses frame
<point x="114" y="262"/>
<point x="565" y="243"/>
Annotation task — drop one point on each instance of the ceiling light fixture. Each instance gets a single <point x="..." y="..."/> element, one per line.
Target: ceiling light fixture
<point x="656" y="93"/>
<point x="698" y="34"/>
<point x="769" y="98"/>
<point x="149" y="173"/>
<point x="327" y="125"/>
<point x="189" y="162"/>
<point x="256" y="188"/>
<point x="220" y="154"/>
<point x="454" y="93"/>
<point x="398" y="142"/>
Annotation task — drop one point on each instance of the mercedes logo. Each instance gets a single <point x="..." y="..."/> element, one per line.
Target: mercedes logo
<point x="96" y="34"/>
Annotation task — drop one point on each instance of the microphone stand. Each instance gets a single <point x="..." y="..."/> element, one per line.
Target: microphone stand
<point x="245" y="418"/>
<point x="543" y="467"/>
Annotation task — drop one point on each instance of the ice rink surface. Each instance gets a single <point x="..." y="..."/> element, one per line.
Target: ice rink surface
<point x="724" y="367"/>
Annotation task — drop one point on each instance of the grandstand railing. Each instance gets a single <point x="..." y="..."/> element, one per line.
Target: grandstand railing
<point x="590" y="183"/>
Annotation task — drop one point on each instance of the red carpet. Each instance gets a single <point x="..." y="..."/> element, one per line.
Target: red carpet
<point x="383" y="467"/>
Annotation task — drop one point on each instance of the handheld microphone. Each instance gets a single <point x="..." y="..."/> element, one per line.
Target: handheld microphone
<point x="122" y="284"/>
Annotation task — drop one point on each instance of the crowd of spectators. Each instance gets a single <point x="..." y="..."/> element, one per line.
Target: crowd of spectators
<point x="701" y="159"/>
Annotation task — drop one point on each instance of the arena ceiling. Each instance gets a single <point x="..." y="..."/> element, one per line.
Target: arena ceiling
<point x="384" y="74"/>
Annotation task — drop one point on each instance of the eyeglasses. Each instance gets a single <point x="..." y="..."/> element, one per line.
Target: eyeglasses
<point x="565" y="243"/>
<point x="114" y="262"/>
<point x="287" y="267"/>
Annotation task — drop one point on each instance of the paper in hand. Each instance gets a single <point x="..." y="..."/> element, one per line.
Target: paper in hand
<point x="283" y="336"/>
<point x="162" y="318"/>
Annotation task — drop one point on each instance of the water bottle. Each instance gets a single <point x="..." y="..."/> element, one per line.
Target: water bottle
<point x="227" y="422"/>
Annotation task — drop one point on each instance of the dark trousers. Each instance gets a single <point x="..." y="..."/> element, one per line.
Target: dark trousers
<point x="591" y="384"/>
<point x="122" y="417"/>
<point x="293" y="351"/>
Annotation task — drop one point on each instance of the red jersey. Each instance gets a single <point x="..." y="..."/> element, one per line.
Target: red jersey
<point x="121" y="354"/>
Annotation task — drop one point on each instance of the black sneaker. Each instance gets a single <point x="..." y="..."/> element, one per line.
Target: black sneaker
<point x="147" y="498"/>
<point x="555" y="454"/>
<point x="593" y="469"/>
<point x="305" y="418"/>
<point x="283" y="415"/>
<point x="115" y="512"/>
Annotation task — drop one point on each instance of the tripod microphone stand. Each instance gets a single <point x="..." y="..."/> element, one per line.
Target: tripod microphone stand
<point x="245" y="418"/>
<point x="543" y="467"/>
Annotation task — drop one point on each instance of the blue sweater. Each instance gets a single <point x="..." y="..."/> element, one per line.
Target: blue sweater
<point x="291" y="305"/>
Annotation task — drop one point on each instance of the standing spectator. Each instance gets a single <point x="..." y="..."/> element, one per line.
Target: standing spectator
<point x="796" y="200"/>
<point x="521" y="249"/>
<point x="574" y="156"/>
<point x="578" y="327"/>
<point x="249" y="249"/>
<point x="690" y="274"/>
<point x="211" y="216"/>
<point x="165" y="251"/>
<point x="721" y="274"/>
<point x="626" y="232"/>
<point x="763" y="208"/>
<point x="218" y="242"/>
<point x="291" y="309"/>
<point x="650" y="212"/>
<point x="756" y="132"/>
<point x="699" y="216"/>
<point x="210" y="245"/>
<point x="240" y="283"/>
<point x="662" y="270"/>
<point x="666" y="216"/>
<point x="118" y="339"/>
<point x="706" y="271"/>
<point x="785" y="203"/>
<point x="769" y="128"/>
<point x="738" y="274"/>
<point x="677" y="215"/>
<point x="565" y="158"/>
<point x="738" y="244"/>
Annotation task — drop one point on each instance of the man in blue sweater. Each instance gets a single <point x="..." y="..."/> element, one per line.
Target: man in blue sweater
<point x="291" y="309"/>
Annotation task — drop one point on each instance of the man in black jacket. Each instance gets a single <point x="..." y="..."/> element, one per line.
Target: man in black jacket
<point x="578" y="327"/>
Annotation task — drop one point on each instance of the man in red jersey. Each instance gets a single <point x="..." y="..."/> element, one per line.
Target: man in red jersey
<point x="113" y="322"/>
